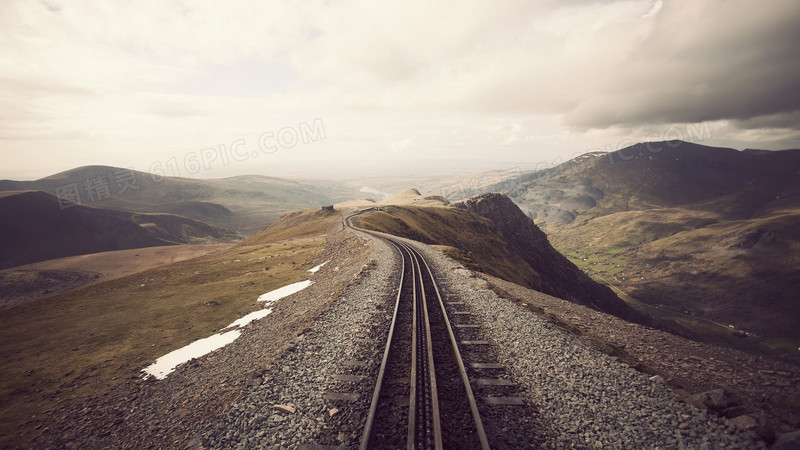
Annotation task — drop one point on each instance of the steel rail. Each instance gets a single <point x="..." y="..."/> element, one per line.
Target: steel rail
<point x="473" y="405"/>
<point x="423" y="396"/>
<point x="366" y="437"/>
<point x="420" y="363"/>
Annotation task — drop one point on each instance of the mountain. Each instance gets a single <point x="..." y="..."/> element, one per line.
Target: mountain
<point x="738" y="184"/>
<point x="244" y="204"/>
<point x="712" y="232"/>
<point x="413" y="197"/>
<point x="36" y="227"/>
<point x="557" y="276"/>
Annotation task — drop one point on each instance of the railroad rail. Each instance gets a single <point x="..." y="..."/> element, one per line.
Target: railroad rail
<point x="422" y="397"/>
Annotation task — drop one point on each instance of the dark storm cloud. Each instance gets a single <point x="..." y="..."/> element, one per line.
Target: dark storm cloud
<point x="706" y="60"/>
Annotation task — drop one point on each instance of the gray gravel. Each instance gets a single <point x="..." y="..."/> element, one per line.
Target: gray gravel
<point x="588" y="399"/>
<point x="352" y="328"/>
<point x="582" y="398"/>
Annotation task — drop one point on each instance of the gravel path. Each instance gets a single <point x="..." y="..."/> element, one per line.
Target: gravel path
<point x="173" y="412"/>
<point x="588" y="399"/>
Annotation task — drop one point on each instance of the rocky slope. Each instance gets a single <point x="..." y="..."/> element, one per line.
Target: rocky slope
<point x="558" y="276"/>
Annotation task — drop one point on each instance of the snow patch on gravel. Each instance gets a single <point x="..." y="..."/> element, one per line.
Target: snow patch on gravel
<point x="316" y="268"/>
<point x="253" y="316"/>
<point x="285" y="291"/>
<point x="167" y="363"/>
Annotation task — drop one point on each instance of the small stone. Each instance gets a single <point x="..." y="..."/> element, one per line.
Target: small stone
<point x="333" y="412"/>
<point x="745" y="422"/>
<point x="284" y="408"/>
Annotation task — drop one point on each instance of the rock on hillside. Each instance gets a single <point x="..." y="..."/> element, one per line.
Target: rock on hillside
<point x="559" y="277"/>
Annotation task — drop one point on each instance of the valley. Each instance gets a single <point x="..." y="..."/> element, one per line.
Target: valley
<point x="681" y="227"/>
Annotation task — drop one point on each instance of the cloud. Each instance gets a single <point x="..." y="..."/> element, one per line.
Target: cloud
<point x="452" y="78"/>
<point x="703" y="60"/>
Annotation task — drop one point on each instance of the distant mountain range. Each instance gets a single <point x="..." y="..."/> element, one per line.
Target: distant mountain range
<point x="676" y="227"/>
<point x="243" y="204"/>
<point x="99" y="208"/>
<point x="713" y="232"/>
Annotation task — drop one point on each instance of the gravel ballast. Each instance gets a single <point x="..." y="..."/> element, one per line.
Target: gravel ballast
<point x="580" y="398"/>
<point x="588" y="399"/>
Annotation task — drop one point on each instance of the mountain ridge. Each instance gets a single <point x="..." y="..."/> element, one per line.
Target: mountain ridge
<point x="558" y="276"/>
<point x="489" y="233"/>
<point x="242" y="204"/>
<point x="681" y="228"/>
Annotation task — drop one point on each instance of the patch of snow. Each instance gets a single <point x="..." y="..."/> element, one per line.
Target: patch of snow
<point x="285" y="291"/>
<point x="167" y="363"/>
<point x="316" y="268"/>
<point x="253" y="316"/>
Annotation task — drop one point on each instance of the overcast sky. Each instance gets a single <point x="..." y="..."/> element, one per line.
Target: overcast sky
<point x="283" y="87"/>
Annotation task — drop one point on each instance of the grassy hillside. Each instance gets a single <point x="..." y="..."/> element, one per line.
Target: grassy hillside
<point x="736" y="272"/>
<point x="489" y="234"/>
<point x="469" y="238"/>
<point x="80" y="343"/>
<point x="34" y="228"/>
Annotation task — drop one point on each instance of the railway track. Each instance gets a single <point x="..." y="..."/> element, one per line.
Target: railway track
<point x="422" y="397"/>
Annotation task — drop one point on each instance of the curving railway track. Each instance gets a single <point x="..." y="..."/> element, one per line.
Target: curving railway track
<point x="422" y="397"/>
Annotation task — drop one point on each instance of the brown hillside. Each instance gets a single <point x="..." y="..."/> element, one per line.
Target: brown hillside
<point x="34" y="228"/>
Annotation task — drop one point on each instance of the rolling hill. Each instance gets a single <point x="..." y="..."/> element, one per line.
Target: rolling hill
<point x="712" y="232"/>
<point x="36" y="228"/>
<point x="243" y="204"/>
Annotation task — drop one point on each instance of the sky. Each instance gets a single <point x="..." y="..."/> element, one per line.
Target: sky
<point x="350" y="88"/>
